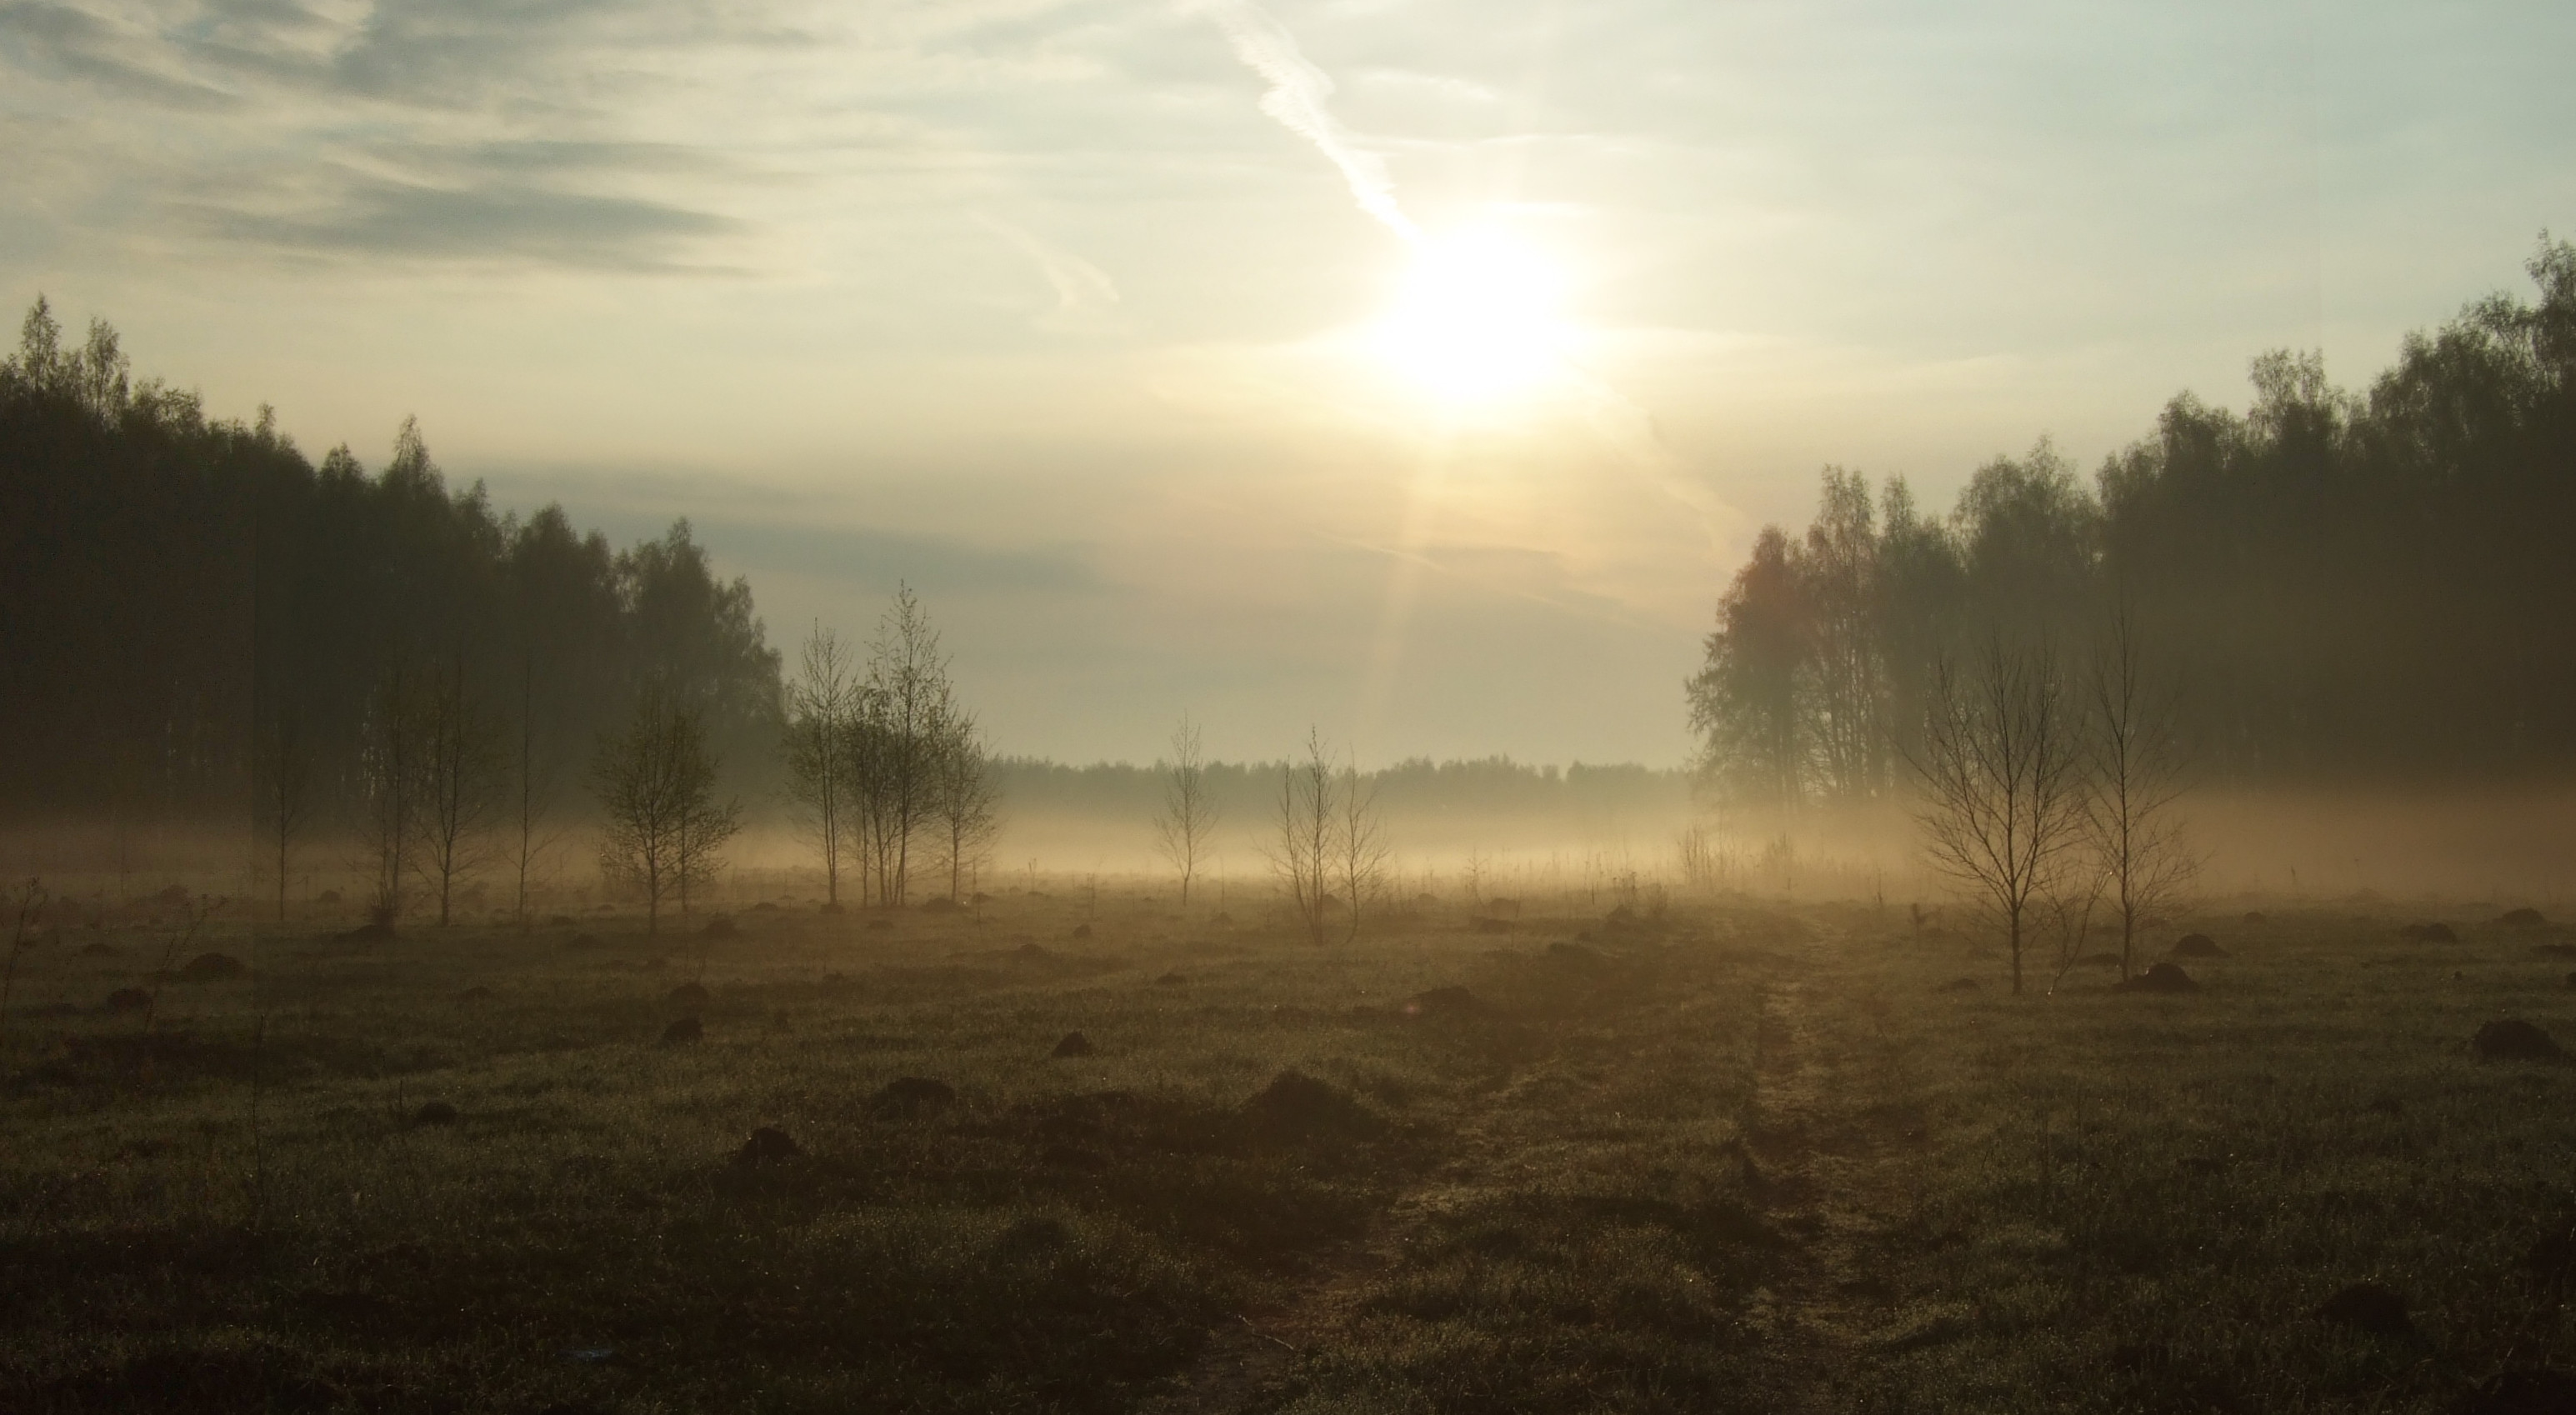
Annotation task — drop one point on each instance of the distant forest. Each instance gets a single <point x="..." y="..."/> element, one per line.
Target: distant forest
<point x="189" y="604"/>
<point x="2333" y="587"/>
<point x="1417" y="792"/>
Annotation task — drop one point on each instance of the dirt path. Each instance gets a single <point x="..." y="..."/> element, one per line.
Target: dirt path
<point x="1834" y="1160"/>
<point x="1258" y="1351"/>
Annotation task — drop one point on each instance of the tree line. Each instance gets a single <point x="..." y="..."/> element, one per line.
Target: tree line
<point x="2329" y="587"/>
<point x="208" y="628"/>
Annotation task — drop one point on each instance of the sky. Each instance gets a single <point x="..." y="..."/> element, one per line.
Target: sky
<point x="1413" y="370"/>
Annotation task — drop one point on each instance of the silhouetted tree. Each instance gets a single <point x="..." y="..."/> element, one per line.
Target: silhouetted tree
<point x="284" y="798"/>
<point x="2136" y="777"/>
<point x="1190" y="812"/>
<point x="2000" y="776"/>
<point x="965" y="805"/>
<point x="823" y="709"/>
<point x="1746" y="703"/>
<point x="463" y="781"/>
<point x="907" y="711"/>
<point x="1307" y="817"/>
<point x="1358" y="847"/>
<point x="656" y="787"/>
<point x="393" y="768"/>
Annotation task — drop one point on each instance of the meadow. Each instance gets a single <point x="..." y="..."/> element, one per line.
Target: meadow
<point x="1594" y="1152"/>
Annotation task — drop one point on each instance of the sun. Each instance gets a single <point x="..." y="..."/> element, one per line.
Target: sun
<point x="1476" y="321"/>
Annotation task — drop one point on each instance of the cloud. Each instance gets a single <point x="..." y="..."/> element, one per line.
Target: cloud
<point x="84" y="46"/>
<point x="1086" y="298"/>
<point x="1297" y="95"/>
<point x="497" y="222"/>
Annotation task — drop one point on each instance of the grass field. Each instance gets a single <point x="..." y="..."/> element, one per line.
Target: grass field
<point x="1733" y="1156"/>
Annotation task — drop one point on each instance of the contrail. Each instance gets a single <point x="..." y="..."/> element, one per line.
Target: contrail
<point x="1296" y="99"/>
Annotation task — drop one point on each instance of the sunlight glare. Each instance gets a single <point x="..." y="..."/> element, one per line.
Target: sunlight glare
<point x="1476" y="321"/>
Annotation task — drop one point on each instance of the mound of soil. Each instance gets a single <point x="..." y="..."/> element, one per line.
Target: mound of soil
<point x="2163" y="977"/>
<point x="1171" y="980"/>
<point x="2512" y="1039"/>
<point x="1960" y="985"/>
<point x="908" y="1097"/>
<point x="689" y="995"/>
<point x="1296" y="1106"/>
<point x="2555" y="950"/>
<point x="876" y="925"/>
<point x="1446" y="1002"/>
<point x="560" y="921"/>
<point x="767" y="1145"/>
<point x="2367" y="1306"/>
<point x="2523" y="1390"/>
<point x="721" y="926"/>
<point x="434" y="1113"/>
<point x="213" y="968"/>
<point x="979" y="897"/>
<point x="128" y="1000"/>
<point x="2197" y="946"/>
<point x="1082" y="931"/>
<point x="1073" y="1044"/>
<point x="831" y="906"/>
<point x="2256" y="917"/>
<point x="475" y="994"/>
<point x="941" y="905"/>
<point x="365" y="933"/>
<point x="98" y="950"/>
<point x="2428" y="933"/>
<point x="2521" y="919"/>
<point x="1031" y="953"/>
<point x="1490" y="926"/>
<point x="683" y="1032"/>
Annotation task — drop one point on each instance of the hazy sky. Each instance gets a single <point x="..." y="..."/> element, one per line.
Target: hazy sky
<point x="1099" y="321"/>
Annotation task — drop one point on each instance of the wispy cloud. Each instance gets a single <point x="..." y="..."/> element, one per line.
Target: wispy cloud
<point x="1297" y="99"/>
<point x="365" y="216"/>
<point x="125" y="63"/>
<point x="1086" y="298"/>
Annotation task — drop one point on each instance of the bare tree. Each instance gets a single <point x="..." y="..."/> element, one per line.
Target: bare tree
<point x="910" y="698"/>
<point x="463" y="779"/>
<point x="284" y="801"/>
<point x="656" y="782"/>
<point x="391" y="767"/>
<point x="1359" y="847"/>
<point x="705" y="827"/>
<point x="532" y="798"/>
<point x="2136" y="833"/>
<point x="1301" y="850"/>
<point x="1190" y="812"/>
<point x="2000" y="769"/>
<point x="965" y="805"/>
<point x="822" y="707"/>
<point x="2070" y="909"/>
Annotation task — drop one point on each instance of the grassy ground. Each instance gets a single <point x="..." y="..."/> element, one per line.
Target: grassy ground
<point x="1739" y="1157"/>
